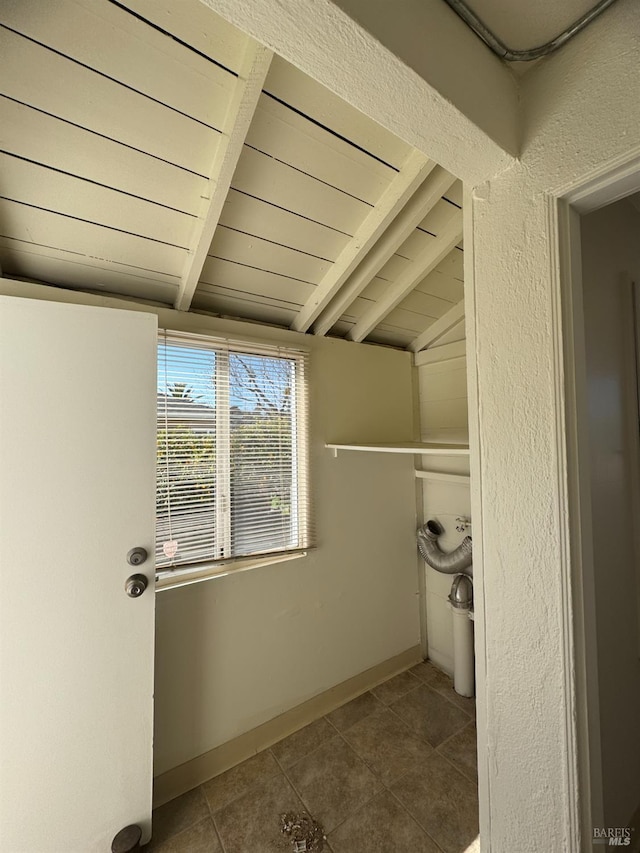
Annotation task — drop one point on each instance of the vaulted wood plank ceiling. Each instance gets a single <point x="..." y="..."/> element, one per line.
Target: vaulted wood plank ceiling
<point x="149" y="149"/>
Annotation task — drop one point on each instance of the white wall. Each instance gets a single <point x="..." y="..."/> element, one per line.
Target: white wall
<point x="582" y="113"/>
<point x="443" y="416"/>
<point x="610" y="260"/>
<point x="234" y="652"/>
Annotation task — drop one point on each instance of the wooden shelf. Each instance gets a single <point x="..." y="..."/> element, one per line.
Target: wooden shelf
<point x="430" y="448"/>
<point x="443" y="477"/>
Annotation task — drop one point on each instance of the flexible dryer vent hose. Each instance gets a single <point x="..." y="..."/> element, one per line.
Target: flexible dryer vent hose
<point x="450" y="564"/>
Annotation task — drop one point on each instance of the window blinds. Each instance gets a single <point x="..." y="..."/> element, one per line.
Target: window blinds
<point x="232" y="451"/>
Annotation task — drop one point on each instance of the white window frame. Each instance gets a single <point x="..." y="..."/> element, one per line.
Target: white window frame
<point x="184" y="574"/>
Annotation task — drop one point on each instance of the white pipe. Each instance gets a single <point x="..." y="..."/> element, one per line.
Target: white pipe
<point x="461" y="600"/>
<point x="463" y="661"/>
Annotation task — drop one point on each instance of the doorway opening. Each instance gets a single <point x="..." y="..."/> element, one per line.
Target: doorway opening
<point x="600" y="253"/>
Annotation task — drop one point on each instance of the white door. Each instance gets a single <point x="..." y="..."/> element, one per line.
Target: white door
<point x="77" y="489"/>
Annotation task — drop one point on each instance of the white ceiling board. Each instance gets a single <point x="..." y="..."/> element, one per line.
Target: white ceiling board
<point x="119" y="45"/>
<point x="53" y="142"/>
<point x="45" y="228"/>
<point x="438" y="218"/>
<point x="390" y="337"/>
<point x="92" y="101"/>
<point x="318" y="103"/>
<point x="257" y="217"/>
<point x="421" y="303"/>
<point x="425" y="303"/>
<point x="452" y="265"/>
<point x="384" y="334"/>
<point x="457" y="333"/>
<point x="219" y="302"/>
<point x="65" y="270"/>
<point x="521" y="24"/>
<point x="262" y="254"/>
<point x="394" y="267"/>
<point x="408" y="321"/>
<point x="440" y="329"/>
<point x="454" y="193"/>
<point x="196" y="25"/>
<point x="241" y="277"/>
<point x="46" y="188"/>
<point x="283" y="133"/>
<point x="263" y="177"/>
<point x="165" y="281"/>
<point x="441" y="284"/>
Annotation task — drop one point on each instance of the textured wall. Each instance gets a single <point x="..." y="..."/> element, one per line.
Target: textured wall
<point x="581" y="111"/>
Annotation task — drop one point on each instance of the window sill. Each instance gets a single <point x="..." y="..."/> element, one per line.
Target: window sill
<point x="172" y="578"/>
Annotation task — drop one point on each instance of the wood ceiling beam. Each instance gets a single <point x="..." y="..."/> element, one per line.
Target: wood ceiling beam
<point x="439" y="329"/>
<point x="240" y="112"/>
<point x="412" y="173"/>
<point x="426" y="261"/>
<point x="423" y="200"/>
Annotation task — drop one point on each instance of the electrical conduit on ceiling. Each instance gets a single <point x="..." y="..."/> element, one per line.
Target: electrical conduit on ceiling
<point x="500" y="49"/>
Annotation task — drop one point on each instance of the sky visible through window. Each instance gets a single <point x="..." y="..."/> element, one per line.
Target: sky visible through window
<point x="193" y="369"/>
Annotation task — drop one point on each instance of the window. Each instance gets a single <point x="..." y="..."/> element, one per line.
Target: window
<point x="232" y="454"/>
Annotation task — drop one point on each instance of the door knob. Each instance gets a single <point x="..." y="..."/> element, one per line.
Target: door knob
<point x="135" y="585"/>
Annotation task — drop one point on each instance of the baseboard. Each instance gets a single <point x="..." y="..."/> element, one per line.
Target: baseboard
<point x="186" y="776"/>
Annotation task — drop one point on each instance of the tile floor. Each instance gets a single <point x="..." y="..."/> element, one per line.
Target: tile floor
<point x="393" y="771"/>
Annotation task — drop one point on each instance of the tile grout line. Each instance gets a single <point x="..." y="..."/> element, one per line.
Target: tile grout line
<point x="414" y="819"/>
<point x="450" y="701"/>
<point x="444" y="695"/>
<point x="469" y="776"/>
<point x="298" y="793"/>
<point x="238" y="796"/>
<point x="175" y="834"/>
<point x="382" y="782"/>
<point x="366" y="764"/>
<point x="455" y="734"/>
<point x="213" y="820"/>
<point x="404" y="672"/>
<point x="358" y="756"/>
<point x="385" y="786"/>
<point x="464" y="775"/>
